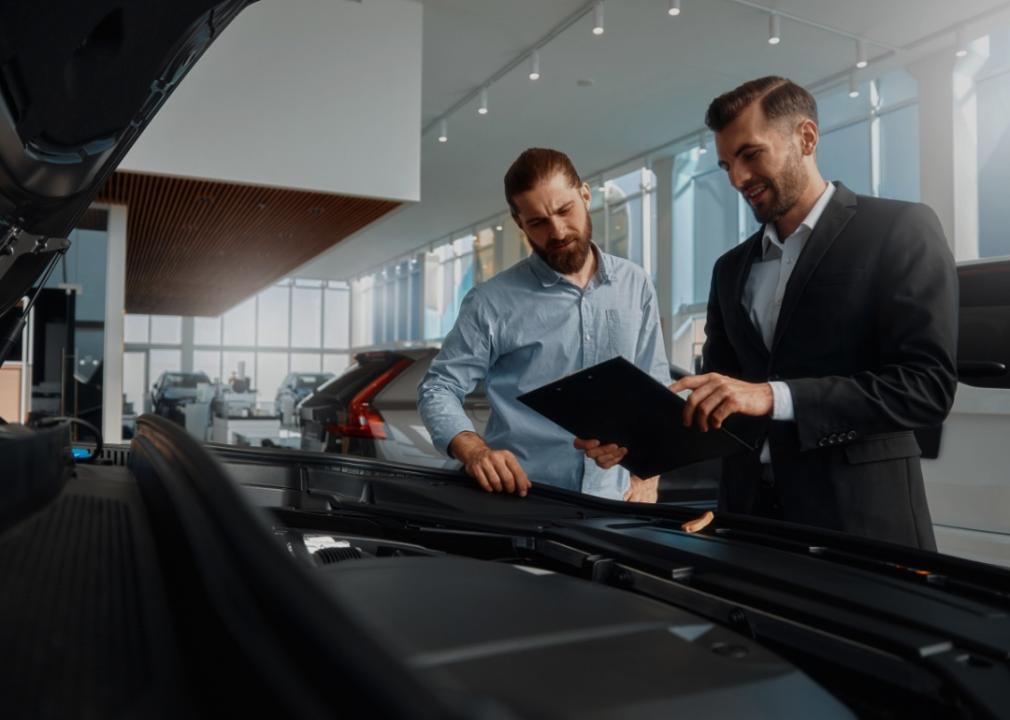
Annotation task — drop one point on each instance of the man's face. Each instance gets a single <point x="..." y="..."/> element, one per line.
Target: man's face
<point x="555" y="217"/>
<point x="765" y="160"/>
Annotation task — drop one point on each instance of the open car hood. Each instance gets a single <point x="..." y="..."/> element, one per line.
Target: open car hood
<point x="78" y="84"/>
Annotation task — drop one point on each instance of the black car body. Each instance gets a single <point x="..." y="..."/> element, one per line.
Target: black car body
<point x="172" y="390"/>
<point x="170" y="579"/>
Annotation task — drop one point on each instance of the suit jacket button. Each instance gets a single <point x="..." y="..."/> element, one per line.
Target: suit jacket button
<point x="851" y="435"/>
<point x="833" y="438"/>
<point x="822" y="442"/>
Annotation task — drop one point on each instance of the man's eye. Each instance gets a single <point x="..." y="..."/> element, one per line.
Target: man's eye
<point x="752" y="155"/>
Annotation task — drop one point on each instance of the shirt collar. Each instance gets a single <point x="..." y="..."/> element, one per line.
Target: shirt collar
<point x="771" y="236"/>
<point x="549" y="276"/>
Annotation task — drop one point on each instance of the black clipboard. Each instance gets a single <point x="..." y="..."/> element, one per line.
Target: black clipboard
<point x="615" y="402"/>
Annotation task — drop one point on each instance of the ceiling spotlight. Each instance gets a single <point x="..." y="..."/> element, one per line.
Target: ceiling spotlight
<point x="598" y="18"/>
<point x="861" y="54"/>
<point x="443" y="131"/>
<point x="535" y="65"/>
<point x="674" y="10"/>
<point x="960" y="46"/>
<point x="853" y="86"/>
<point x="499" y="228"/>
<point x="702" y="146"/>
<point x="483" y="101"/>
<point x="774" y="29"/>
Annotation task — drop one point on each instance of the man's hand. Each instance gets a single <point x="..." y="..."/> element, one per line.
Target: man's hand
<point x="698" y="524"/>
<point x="606" y="456"/>
<point x="643" y="490"/>
<point x="715" y="397"/>
<point x="495" y="470"/>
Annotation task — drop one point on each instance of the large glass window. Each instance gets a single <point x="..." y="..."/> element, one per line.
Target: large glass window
<point x="207" y="331"/>
<point x="208" y="362"/>
<point x="166" y="330"/>
<point x="335" y="363"/>
<point x="162" y="360"/>
<point x="306" y="317"/>
<point x="994" y="151"/>
<point x="136" y="328"/>
<point x="843" y="154"/>
<point x="272" y="323"/>
<point x="271" y="367"/>
<point x="337" y="313"/>
<point x="240" y="324"/>
<point x="135" y="381"/>
<point x="306" y="362"/>
<point x="899" y="154"/>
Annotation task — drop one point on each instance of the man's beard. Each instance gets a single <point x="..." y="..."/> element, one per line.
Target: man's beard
<point x="784" y="192"/>
<point x="570" y="258"/>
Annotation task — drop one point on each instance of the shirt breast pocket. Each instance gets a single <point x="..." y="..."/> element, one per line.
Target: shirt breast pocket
<point x="622" y="331"/>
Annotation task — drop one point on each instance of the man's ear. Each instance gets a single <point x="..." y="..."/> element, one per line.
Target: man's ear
<point x="809" y="136"/>
<point x="587" y="194"/>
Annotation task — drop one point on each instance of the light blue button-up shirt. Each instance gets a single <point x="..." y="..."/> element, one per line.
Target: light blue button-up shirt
<point x="528" y="326"/>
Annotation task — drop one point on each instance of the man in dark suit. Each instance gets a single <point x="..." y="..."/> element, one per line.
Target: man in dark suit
<point x="838" y="320"/>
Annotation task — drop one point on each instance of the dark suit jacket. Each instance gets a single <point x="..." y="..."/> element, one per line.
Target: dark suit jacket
<point x="866" y="341"/>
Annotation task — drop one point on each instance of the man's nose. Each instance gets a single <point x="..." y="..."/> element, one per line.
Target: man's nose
<point x="557" y="227"/>
<point x="739" y="177"/>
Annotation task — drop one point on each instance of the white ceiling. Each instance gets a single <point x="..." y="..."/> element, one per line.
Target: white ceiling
<point x="653" y="76"/>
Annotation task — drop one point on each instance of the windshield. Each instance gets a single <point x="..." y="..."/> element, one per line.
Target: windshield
<point x="184" y="380"/>
<point x="311" y="382"/>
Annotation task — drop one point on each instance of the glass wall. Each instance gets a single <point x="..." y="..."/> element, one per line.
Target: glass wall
<point x="299" y="325"/>
<point x="869" y="142"/>
<point x="993" y="94"/>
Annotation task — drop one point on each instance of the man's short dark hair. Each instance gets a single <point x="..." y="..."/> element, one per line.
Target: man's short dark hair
<point x="779" y="98"/>
<point x="533" y="167"/>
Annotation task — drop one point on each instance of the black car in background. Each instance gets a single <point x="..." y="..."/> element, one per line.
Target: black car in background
<point x="371" y="410"/>
<point x="296" y="387"/>
<point x="174" y="389"/>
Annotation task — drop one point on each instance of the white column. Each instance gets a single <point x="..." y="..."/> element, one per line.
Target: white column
<point x="663" y="197"/>
<point x="948" y="145"/>
<point x="115" y="304"/>
<point x="187" y="343"/>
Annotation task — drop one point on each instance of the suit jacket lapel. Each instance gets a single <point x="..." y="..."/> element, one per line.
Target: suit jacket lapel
<point x="836" y="216"/>
<point x="740" y="283"/>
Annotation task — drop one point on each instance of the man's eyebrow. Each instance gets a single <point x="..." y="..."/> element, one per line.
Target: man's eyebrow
<point x="739" y="151"/>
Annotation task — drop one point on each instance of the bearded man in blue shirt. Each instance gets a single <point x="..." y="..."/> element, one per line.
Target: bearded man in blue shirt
<point x="566" y="307"/>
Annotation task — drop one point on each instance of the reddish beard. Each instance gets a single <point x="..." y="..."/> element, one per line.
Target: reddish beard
<point x="567" y="256"/>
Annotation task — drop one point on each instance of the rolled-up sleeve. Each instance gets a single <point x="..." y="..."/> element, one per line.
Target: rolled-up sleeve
<point x="462" y="362"/>
<point x="650" y="352"/>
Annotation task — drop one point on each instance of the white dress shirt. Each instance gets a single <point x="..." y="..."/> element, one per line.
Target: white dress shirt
<point x="766" y="286"/>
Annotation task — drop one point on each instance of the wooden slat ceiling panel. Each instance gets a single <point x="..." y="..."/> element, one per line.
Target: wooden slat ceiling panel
<point x="199" y="247"/>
